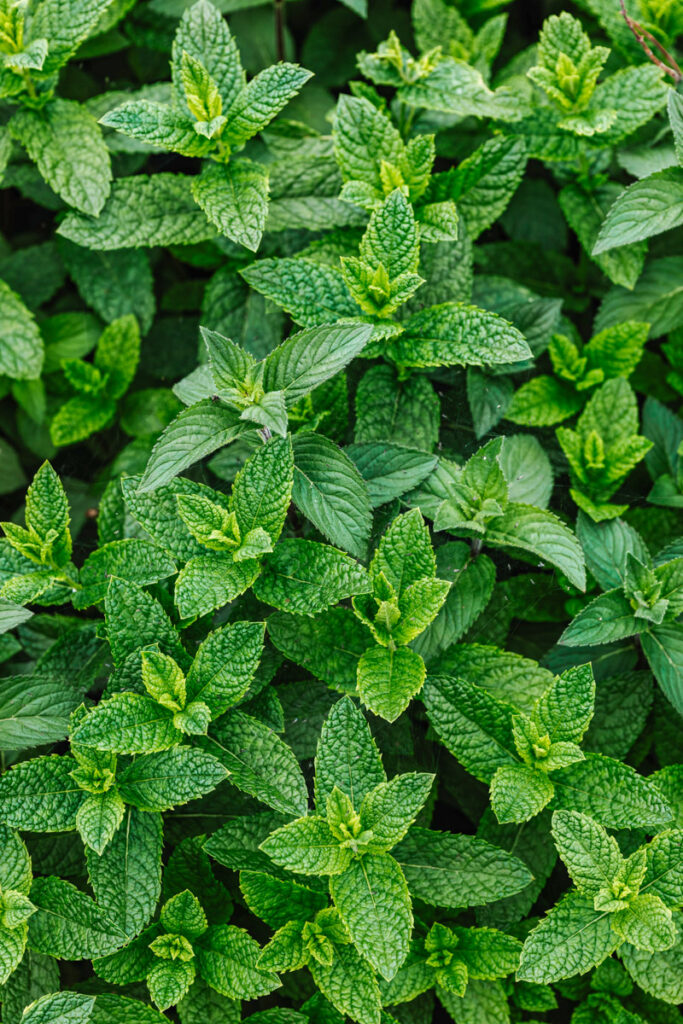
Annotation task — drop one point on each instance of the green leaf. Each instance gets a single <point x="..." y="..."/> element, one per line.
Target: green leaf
<point x="65" y="142"/>
<point x="258" y="761"/>
<point x="262" y="489"/>
<point x="224" y="665"/>
<point x="658" y="974"/>
<point x="60" y="1008"/>
<point x="261" y="100"/>
<point x="380" y="930"/>
<point x="234" y="197"/>
<point x="227" y="961"/>
<point x="591" y="856"/>
<point x="585" y="212"/>
<point x="34" y="711"/>
<point x="329" y="645"/>
<point x="645" y="208"/>
<point x="350" y="985"/>
<point x="142" y="210"/>
<point x="159" y="125"/>
<point x="404" y="412"/>
<point x="98" y="818"/>
<point x="309" y="357"/>
<point x="611" y="792"/>
<point x="15" y="867"/>
<point x="126" y="876"/>
<point x="69" y="924"/>
<point x="542" y="402"/>
<point x="277" y="901"/>
<point x="565" y="709"/>
<point x="308" y="847"/>
<point x="454" y="334"/>
<point x="134" y="619"/>
<point x="389" y="810"/>
<point x="128" y="723"/>
<point x="657" y="298"/>
<point x="475" y="727"/>
<point x="449" y="870"/>
<point x="65" y="24"/>
<point x="519" y="792"/>
<point x="304" y="577"/>
<point x="663" y="648"/>
<point x="390" y="470"/>
<point x="40" y="795"/>
<point x="542" y="535"/>
<point x="204" y="35"/>
<point x="364" y="137"/>
<point x="664" y="868"/>
<point x="330" y="491"/>
<point x="132" y="559"/>
<point x="157" y="782"/>
<point x="211" y="581"/>
<point x="404" y="554"/>
<point x="195" y="433"/>
<point x="347" y="756"/>
<point x="113" y="283"/>
<point x="646" y="923"/>
<point x="570" y="939"/>
<point x="607" y="618"/>
<point x="21" y="347"/>
<point x="389" y="679"/>
<point x="312" y="293"/>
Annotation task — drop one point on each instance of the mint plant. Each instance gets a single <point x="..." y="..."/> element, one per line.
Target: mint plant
<point x="340" y="461"/>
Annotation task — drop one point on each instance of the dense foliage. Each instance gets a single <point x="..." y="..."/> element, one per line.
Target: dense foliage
<point x="341" y="587"/>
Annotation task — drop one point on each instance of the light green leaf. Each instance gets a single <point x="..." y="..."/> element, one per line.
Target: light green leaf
<point x="308" y="847"/>
<point x="449" y="870"/>
<point x="195" y="433"/>
<point x="389" y="679"/>
<point x="234" y="197"/>
<point x="126" y="877"/>
<point x="372" y="897"/>
<point x="66" y="144"/>
<point x="224" y="665"/>
<point x="157" y="782"/>
<point x="69" y="924"/>
<point x="305" y="577"/>
<point x="258" y="761"/>
<point x="645" y="208"/>
<point x="570" y="939"/>
<point x="21" y="346"/>
<point x="142" y="210"/>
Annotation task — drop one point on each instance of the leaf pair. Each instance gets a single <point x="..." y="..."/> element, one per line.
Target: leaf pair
<point x="617" y="900"/>
<point x="215" y="111"/>
<point x="529" y="760"/>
